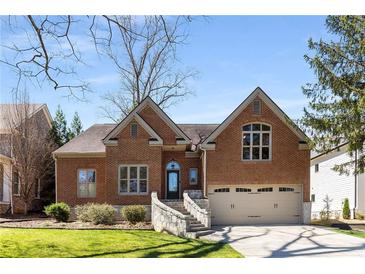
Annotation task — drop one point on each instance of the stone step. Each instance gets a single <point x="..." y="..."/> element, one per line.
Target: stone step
<point x="203" y="233"/>
<point x="196" y="229"/>
<point x="196" y="224"/>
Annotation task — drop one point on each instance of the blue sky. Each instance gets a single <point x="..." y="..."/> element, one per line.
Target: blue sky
<point x="233" y="54"/>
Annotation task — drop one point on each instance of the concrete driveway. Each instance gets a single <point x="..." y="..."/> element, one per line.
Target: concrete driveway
<point x="288" y="241"/>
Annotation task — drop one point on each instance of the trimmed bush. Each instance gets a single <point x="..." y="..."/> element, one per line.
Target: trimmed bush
<point x="59" y="211"/>
<point x="346" y="209"/>
<point x="134" y="213"/>
<point x="96" y="213"/>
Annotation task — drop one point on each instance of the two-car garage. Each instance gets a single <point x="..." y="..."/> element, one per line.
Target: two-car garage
<point x="255" y="204"/>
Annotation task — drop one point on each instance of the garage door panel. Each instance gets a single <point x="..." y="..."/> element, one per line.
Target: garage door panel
<point x="240" y="208"/>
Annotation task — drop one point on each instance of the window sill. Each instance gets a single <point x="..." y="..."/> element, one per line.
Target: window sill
<point x="133" y="194"/>
<point x="86" y="197"/>
<point x="256" y="161"/>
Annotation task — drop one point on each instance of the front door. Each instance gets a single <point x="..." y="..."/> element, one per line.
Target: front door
<point x="172" y="184"/>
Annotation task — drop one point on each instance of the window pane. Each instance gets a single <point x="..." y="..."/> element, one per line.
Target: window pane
<point x="246" y="153"/>
<point x="265" y="139"/>
<point x="265" y="153"/>
<point x="83" y="190"/>
<point x="91" y="175"/>
<point x="265" y="128"/>
<point x="123" y="186"/>
<point x="256" y="127"/>
<point x="256" y="139"/>
<point x="255" y="153"/>
<point x="92" y="190"/>
<point x="246" y="139"/>
<point x="143" y="186"/>
<point x="123" y="172"/>
<point x="133" y="172"/>
<point x="143" y="172"/>
<point x="82" y="176"/>
<point x="193" y="176"/>
<point x="133" y="185"/>
<point x="246" y="128"/>
<point x="133" y="130"/>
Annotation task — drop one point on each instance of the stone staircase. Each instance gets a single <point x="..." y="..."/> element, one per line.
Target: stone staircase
<point x="196" y="229"/>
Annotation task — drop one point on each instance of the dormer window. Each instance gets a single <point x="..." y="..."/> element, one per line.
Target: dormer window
<point x="134" y="130"/>
<point x="256" y="142"/>
<point x="256" y="107"/>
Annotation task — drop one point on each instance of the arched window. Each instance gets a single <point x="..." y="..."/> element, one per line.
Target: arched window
<point x="173" y="166"/>
<point x="256" y="142"/>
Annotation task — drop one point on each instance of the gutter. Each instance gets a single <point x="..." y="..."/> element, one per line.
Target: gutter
<point x="355" y="187"/>
<point x="204" y="171"/>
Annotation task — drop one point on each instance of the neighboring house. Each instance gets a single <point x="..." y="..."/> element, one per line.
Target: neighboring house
<point x="253" y="167"/>
<point x="9" y="184"/>
<point x="326" y="181"/>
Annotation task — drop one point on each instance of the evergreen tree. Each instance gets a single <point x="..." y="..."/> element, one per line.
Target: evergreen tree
<point x="337" y="99"/>
<point x="59" y="132"/>
<point x="76" y="127"/>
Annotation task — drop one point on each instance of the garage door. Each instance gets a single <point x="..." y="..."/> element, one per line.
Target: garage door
<point x="253" y="204"/>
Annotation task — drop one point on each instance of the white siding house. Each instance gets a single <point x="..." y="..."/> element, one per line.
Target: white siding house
<point x="326" y="181"/>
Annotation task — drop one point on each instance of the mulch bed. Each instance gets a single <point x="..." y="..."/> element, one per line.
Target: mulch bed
<point x="52" y="224"/>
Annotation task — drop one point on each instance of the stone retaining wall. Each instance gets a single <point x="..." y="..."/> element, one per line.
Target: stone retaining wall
<point x="167" y="219"/>
<point x="201" y="214"/>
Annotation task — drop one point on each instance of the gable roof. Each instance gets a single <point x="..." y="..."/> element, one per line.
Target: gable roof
<point x="258" y="92"/>
<point x="11" y="110"/>
<point x="134" y="114"/>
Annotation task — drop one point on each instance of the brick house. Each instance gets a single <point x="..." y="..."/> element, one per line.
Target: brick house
<point x="9" y="177"/>
<point x="252" y="168"/>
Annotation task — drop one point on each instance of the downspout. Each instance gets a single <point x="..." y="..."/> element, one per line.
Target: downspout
<point x="356" y="178"/>
<point x="204" y="171"/>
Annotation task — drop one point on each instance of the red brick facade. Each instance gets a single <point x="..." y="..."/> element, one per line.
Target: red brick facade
<point x="289" y="164"/>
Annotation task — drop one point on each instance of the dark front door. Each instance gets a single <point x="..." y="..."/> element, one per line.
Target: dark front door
<point x="172" y="184"/>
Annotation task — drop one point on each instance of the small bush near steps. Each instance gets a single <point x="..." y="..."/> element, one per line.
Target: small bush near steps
<point x="60" y="211"/>
<point x="346" y="209"/>
<point x="96" y="213"/>
<point x="134" y="214"/>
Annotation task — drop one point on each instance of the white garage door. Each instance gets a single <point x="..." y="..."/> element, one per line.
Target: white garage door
<point x="255" y="204"/>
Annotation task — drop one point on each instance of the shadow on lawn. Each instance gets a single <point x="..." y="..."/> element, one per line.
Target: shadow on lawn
<point x="169" y="249"/>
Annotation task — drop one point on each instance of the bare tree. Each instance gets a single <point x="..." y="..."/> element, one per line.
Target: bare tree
<point x="143" y="48"/>
<point x="30" y="146"/>
<point x="146" y="59"/>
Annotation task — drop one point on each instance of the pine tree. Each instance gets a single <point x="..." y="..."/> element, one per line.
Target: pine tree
<point x="76" y="127"/>
<point x="58" y="131"/>
<point x="346" y="213"/>
<point x="337" y="99"/>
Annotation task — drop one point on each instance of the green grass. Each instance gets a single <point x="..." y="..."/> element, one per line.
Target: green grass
<point x="58" y="243"/>
<point x="356" y="233"/>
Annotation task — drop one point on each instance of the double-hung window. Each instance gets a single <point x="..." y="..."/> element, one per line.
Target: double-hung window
<point x="256" y="142"/>
<point x="133" y="179"/>
<point x="86" y="181"/>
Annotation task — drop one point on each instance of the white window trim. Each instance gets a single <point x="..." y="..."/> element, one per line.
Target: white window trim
<point x="128" y="180"/>
<point x="78" y="189"/>
<point x="260" y="146"/>
<point x="197" y="176"/>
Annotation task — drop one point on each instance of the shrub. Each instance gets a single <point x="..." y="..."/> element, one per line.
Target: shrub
<point x="326" y="212"/>
<point x="134" y="213"/>
<point x="96" y="213"/>
<point x="59" y="211"/>
<point x="346" y="209"/>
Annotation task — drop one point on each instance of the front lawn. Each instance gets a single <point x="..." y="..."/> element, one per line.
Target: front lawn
<point x="356" y="233"/>
<point x="58" y="243"/>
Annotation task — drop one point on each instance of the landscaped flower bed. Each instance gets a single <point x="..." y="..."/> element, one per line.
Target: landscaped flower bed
<point x="50" y="223"/>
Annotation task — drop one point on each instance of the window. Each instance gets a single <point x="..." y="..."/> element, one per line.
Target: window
<point x="133" y="179"/>
<point x="16" y="184"/>
<point x="173" y="166"/>
<point x="242" y="189"/>
<point x="193" y="176"/>
<point x="256" y="107"/>
<point x="256" y="142"/>
<point x="86" y="179"/>
<point x="134" y="130"/>
<point x="226" y="189"/>
<point x="38" y="189"/>
<point x="286" y="189"/>
<point x="265" y="189"/>
<point x="316" y="167"/>
<point x="313" y="198"/>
